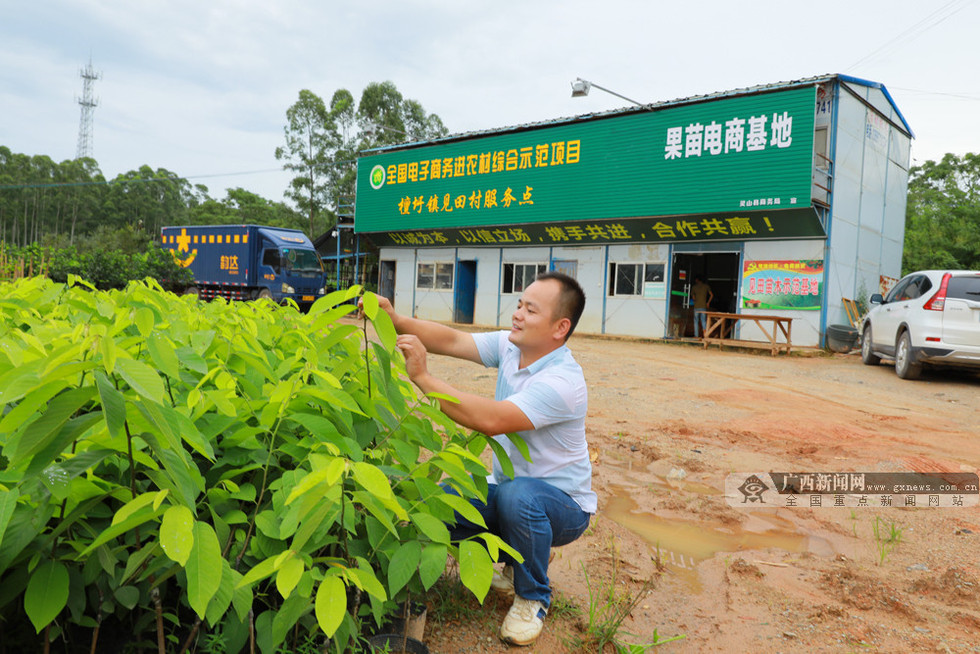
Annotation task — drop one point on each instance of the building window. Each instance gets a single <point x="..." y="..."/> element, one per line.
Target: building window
<point x="629" y="278"/>
<point x="518" y="276"/>
<point x="435" y="276"/>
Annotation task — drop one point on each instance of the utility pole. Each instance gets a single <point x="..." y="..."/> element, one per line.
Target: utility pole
<point x="88" y="103"/>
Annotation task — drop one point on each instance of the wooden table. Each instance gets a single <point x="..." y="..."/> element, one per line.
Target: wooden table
<point x="719" y="327"/>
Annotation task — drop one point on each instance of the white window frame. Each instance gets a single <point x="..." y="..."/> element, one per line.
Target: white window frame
<point x="538" y="269"/>
<point x="433" y="284"/>
<point x="640" y="274"/>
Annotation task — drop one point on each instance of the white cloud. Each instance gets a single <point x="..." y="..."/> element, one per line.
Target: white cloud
<point x="202" y="88"/>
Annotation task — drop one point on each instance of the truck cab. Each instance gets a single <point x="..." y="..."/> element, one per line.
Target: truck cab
<point x="289" y="268"/>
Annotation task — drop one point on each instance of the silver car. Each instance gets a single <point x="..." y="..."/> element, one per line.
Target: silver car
<point x="931" y="317"/>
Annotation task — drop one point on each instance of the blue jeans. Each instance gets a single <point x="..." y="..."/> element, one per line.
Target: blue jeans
<point x="700" y="321"/>
<point x="532" y="516"/>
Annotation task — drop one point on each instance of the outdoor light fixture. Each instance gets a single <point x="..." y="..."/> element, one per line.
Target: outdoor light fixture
<point x="581" y="88"/>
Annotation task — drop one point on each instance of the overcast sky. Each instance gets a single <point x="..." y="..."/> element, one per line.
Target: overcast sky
<point x="201" y="87"/>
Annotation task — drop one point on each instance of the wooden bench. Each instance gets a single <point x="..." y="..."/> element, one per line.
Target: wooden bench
<point x="720" y="326"/>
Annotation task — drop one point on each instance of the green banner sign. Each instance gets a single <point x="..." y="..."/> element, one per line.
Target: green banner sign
<point x="736" y="154"/>
<point x="783" y="224"/>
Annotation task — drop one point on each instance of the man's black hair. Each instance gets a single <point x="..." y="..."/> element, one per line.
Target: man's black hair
<point x="571" y="300"/>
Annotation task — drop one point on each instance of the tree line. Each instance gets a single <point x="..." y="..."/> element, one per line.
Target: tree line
<point x="59" y="204"/>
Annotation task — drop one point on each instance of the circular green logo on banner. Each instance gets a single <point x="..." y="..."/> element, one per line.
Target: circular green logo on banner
<point x="377" y="177"/>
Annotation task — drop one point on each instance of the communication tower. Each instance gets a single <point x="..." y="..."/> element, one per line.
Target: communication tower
<point x="88" y="103"/>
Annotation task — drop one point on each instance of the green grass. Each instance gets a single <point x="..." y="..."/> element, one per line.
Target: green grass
<point x="887" y="537"/>
<point x="609" y="607"/>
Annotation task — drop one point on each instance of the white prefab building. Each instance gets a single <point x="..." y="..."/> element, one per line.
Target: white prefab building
<point x="785" y="198"/>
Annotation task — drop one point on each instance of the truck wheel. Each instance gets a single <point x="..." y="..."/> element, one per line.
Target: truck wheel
<point x="264" y="294"/>
<point x="868" y="355"/>
<point x="905" y="367"/>
<point x="192" y="290"/>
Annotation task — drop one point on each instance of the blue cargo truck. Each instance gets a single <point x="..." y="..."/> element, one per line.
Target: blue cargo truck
<point x="247" y="262"/>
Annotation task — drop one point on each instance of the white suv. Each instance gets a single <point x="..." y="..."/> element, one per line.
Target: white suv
<point x="931" y="317"/>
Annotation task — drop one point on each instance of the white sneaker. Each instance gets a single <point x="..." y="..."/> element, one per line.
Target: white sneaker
<point x="524" y="621"/>
<point x="503" y="582"/>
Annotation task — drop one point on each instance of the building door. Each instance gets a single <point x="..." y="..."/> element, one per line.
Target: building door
<point x="718" y="269"/>
<point x="386" y="280"/>
<point x="464" y="295"/>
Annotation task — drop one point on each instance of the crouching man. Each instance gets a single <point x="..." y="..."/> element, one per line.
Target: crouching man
<point x="541" y="395"/>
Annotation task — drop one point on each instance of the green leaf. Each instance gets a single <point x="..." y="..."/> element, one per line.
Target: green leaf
<point x="365" y="579"/>
<point x="370" y="305"/>
<point x="43" y="430"/>
<point x="475" y="568"/>
<point x="134" y="505"/>
<point x="261" y="570"/>
<point x="404" y="563"/>
<point x="372" y="480"/>
<point x="177" y="534"/>
<point x="328" y="301"/>
<point x="495" y="543"/>
<point x="219" y="604"/>
<point x="521" y="446"/>
<point x="203" y="568"/>
<point x="144" y="321"/>
<point x="127" y="596"/>
<point x="331" y="604"/>
<point x="135" y="520"/>
<point x="108" y="347"/>
<point x="431" y="527"/>
<point x="35" y="399"/>
<point x="386" y="330"/>
<point x="436" y="395"/>
<point x="113" y="405"/>
<point x="141" y="378"/>
<point x="163" y="356"/>
<point x="506" y="465"/>
<point x="287" y="616"/>
<point x="47" y="594"/>
<point x="288" y="576"/>
<point x="17" y="382"/>
<point x="8" y="502"/>
<point x="463" y="507"/>
<point x="433" y="563"/>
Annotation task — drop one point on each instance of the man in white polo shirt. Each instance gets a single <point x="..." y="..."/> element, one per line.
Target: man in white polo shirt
<point x="541" y="395"/>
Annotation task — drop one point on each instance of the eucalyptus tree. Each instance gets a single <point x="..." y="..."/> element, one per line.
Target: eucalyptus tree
<point x="309" y="148"/>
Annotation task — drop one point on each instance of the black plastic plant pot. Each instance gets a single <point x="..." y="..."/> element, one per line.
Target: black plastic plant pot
<point x="841" y="338"/>
<point x="396" y="643"/>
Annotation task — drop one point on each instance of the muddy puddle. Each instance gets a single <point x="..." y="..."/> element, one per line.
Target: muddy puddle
<point x="681" y="543"/>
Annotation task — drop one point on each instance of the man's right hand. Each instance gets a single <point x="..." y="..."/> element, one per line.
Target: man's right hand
<point x="383" y="303"/>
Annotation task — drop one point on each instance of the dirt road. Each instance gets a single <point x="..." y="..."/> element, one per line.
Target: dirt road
<point x="668" y="422"/>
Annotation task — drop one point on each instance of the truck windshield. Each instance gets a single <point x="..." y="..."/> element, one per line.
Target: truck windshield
<point x="301" y="260"/>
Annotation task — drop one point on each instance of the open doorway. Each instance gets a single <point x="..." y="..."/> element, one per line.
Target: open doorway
<point x="720" y="270"/>
<point x="386" y="280"/>
<point x="464" y="294"/>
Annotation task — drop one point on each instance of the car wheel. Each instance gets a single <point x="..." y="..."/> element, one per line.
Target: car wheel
<point x="905" y="367"/>
<point x="192" y="290"/>
<point x="867" y="349"/>
<point x="264" y="294"/>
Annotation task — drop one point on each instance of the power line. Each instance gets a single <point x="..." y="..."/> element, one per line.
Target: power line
<point x="917" y="29"/>
<point x="960" y="96"/>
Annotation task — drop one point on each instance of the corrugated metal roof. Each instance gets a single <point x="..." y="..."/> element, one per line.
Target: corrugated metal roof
<point x="653" y="106"/>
